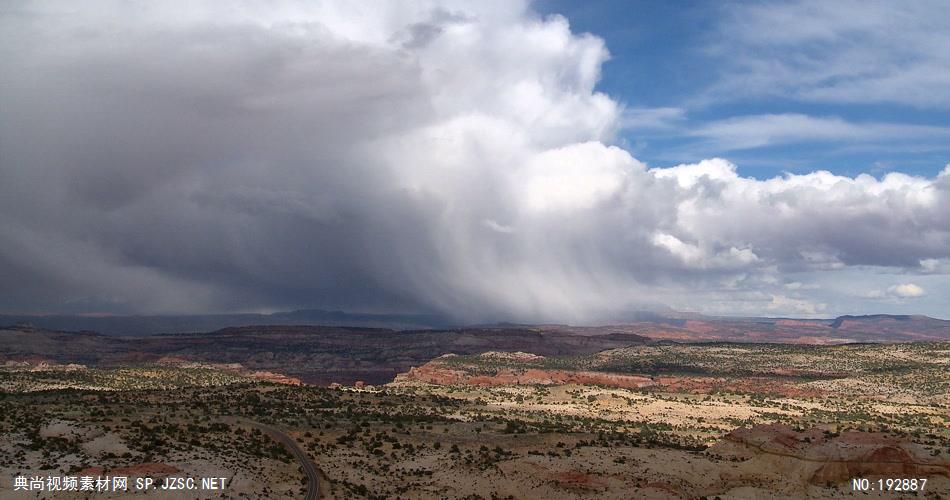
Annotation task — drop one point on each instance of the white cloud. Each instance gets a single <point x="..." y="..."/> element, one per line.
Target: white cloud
<point x="575" y="177"/>
<point x="715" y="169"/>
<point x="894" y="292"/>
<point x="752" y="131"/>
<point x="694" y="256"/>
<point x="784" y="305"/>
<point x="906" y="290"/>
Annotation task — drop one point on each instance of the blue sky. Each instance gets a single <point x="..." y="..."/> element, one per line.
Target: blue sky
<point x="683" y="69"/>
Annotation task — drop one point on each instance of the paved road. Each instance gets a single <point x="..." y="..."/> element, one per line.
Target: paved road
<point x="309" y="468"/>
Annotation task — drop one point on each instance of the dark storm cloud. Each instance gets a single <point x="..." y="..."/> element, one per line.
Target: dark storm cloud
<point x="208" y="156"/>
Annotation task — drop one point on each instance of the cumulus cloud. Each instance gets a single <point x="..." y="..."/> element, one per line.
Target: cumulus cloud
<point x="801" y="307"/>
<point x="906" y="290"/>
<point x="895" y="292"/>
<point x="449" y="157"/>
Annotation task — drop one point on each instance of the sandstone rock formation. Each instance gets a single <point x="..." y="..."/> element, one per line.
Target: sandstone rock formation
<point x="820" y="457"/>
<point x="440" y="373"/>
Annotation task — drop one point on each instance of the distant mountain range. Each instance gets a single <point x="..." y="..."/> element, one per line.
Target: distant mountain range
<point x="658" y="325"/>
<point x="841" y="330"/>
<point x="337" y="353"/>
<point x="153" y="324"/>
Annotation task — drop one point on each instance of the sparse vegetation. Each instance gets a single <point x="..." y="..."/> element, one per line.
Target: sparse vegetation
<point x="414" y="439"/>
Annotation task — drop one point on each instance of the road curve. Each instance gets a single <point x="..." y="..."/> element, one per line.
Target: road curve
<point x="309" y="468"/>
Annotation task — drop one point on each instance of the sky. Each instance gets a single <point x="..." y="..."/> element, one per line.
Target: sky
<point x="849" y="87"/>
<point x="490" y="161"/>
